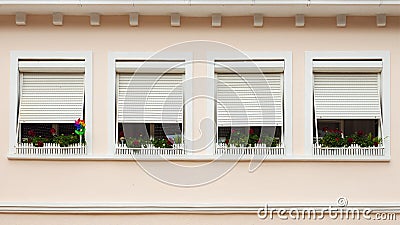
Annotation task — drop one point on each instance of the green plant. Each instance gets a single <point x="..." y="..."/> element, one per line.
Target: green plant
<point x="39" y="141"/>
<point x="177" y="139"/>
<point x="240" y="138"/>
<point x="137" y="142"/>
<point x="268" y="141"/>
<point x="334" y="138"/>
<point x="253" y="138"/>
<point x="62" y="140"/>
<point x="365" y="140"/>
<point x="161" y="143"/>
<point x="140" y="141"/>
<point x="66" y="140"/>
<point x="250" y="139"/>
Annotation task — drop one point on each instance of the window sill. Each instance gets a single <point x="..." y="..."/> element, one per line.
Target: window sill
<point x="235" y="158"/>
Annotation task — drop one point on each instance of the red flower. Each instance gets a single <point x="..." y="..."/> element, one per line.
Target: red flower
<point x="337" y="139"/>
<point x="325" y="129"/>
<point x="251" y="131"/>
<point x="360" y="133"/>
<point x="233" y="131"/>
<point x="40" y="144"/>
<point x="136" y="142"/>
<point x="376" y="144"/>
<point x="350" y="140"/>
<point x="53" y="131"/>
<point x="31" y="133"/>
<point x="227" y="141"/>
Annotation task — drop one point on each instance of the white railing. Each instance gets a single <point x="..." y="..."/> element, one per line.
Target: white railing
<point x="352" y="150"/>
<point x="49" y="149"/>
<point x="258" y="149"/>
<point x="177" y="149"/>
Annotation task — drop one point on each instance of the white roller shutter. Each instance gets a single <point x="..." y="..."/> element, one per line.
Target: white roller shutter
<point x="149" y="98"/>
<point x="249" y="99"/>
<point x="51" y="97"/>
<point x="347" y="96"/>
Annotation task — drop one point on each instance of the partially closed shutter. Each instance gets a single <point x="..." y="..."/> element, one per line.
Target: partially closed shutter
<point x="150" y="98"/>
<point x="249" y="99"/>
<point x="51" y="97"/>
<point x="347" y="89"/>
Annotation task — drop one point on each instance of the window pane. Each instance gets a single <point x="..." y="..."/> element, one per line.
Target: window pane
<point x="248" y="136"/>
<point x="348" y="127"/>
<point x="138" y="134"/>
<point x="66" y="129"/>
<point x="35" y="129"/>
<point x="328" y="125"/>
<point x="43" y="129"/>
<point x="134" y="135"/>
<point x="367" y="126"/>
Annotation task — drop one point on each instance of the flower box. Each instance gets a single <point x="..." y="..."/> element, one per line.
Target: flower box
<point x="50" y="149"/>
<point x="352" y="150"/>
<point x="177" y="149"/>
<point x="257" y="149"/>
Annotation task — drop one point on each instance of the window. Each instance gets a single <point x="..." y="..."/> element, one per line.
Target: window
<point x="250" y="107"/>
<point x="50" y="95"/>
<point x="349" y="106"/>
<point x="149" y="107"/>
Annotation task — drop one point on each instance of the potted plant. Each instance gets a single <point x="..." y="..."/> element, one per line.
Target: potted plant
<point x="239" y="138"/>
<point x="335" y="138"/>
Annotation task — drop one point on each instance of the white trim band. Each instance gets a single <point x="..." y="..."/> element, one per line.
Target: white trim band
<point x="202" y="2"/>
<point x="196" y="158"/>
<point x="180" y="208"/>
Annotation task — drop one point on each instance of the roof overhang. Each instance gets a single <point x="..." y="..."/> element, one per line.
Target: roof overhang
<point x="204" y="8"/>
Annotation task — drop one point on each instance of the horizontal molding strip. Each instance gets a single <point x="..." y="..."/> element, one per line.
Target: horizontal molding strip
<point x="245" y="158"/>
<point x="179" y="208"/>
<point x="202" y="2"/>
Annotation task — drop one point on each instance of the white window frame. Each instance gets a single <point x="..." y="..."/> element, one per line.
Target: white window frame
<point x="113" y="57"/>
<point x="385" y="95"/>
<point x="287" y="89"/>
<point x="16" y="56"/>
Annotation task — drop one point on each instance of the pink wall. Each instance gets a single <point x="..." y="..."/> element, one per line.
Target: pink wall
<point x="124" y="181"/>
<point x="165" y="219"/>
